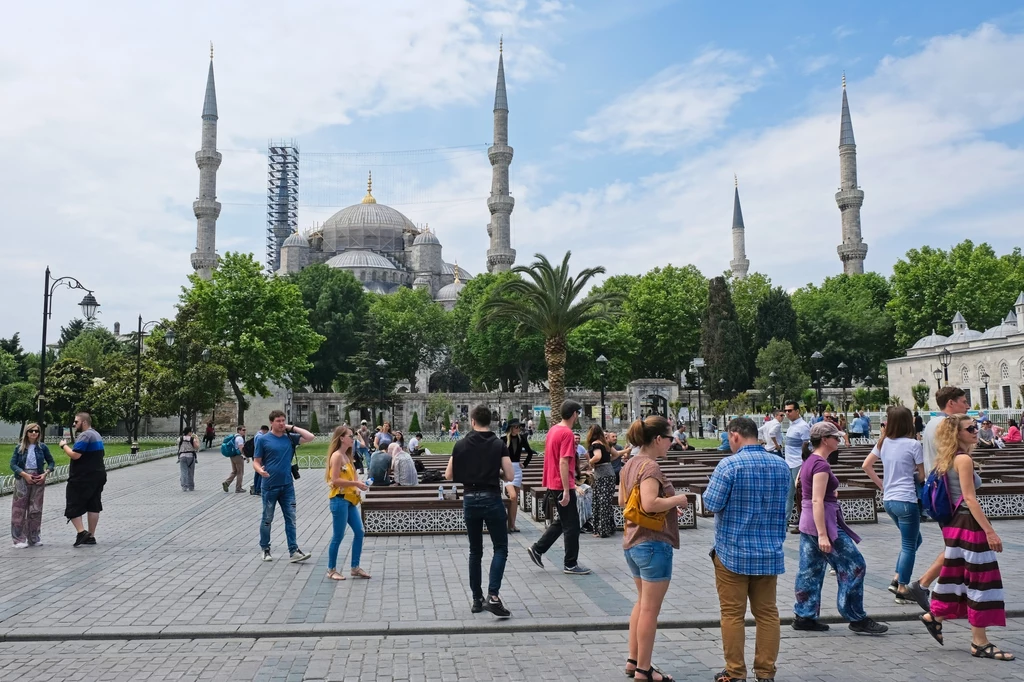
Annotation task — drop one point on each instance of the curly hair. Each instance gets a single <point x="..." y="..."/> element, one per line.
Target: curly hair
<point x="947" y="441"/>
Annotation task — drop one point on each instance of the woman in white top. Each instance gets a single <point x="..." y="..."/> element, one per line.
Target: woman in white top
<point x="902" y="458"/>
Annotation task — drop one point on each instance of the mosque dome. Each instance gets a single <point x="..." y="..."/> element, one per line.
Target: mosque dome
<point x="930" y="341"/>
<point x="963" y="336"/>
<point x="426" y="237"/>
<point x="360" y="258"/>
<point x="1001" y="331"/>
<point x="449" y="269"/>
<point x="450" y="292"/>
<point x="367" y="225"/>
<point x="296" y="239"/>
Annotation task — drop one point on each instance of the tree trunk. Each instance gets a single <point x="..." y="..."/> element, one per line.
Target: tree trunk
<point x="240" y="399"/>
<point x="554" y="353"/>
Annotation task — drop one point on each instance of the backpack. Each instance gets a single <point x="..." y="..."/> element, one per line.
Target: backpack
<point x="249" y="449"/>
<point x="935" y="498"/>
<point x="227" y="446"/>
<point x="432" y="476"/>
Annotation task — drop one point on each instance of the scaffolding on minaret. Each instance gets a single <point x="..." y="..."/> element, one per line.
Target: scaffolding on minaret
<point x="282" y="198"/>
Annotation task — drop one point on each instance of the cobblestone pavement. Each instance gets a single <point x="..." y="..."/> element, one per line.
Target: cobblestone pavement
<point x="692" y="654"/>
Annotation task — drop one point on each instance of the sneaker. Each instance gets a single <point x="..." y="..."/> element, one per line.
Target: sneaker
<point x="20" y="545"/>
<point x="298" y="555"/>
<point x="535" y="555"/>
<point x="904" y="599"/>
<point x="240" y="490"/>
<point x="869" y="627"/>
<point x="724" y="677"/>
<point x="225" y="486"/>
<point x="478" y="606"/>
<point x="266" y="555"/>
<point x="37" y="543"/>
<point x="794" y="531"/>
<point x="91" y="540"/>
<point x="494" y="605"/>
<point x="809" y="625"/>
<point x="919" y="595"/>
<point x="576" y="570"/>
<point x="80" y="538"/>
<point x="894" y="586"/>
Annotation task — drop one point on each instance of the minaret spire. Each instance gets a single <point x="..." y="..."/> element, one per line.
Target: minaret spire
<point x="500" y="255"/>
<point x="206" y="208"/>
<point x="739" y="262"/>
<point x="850" y="197"/>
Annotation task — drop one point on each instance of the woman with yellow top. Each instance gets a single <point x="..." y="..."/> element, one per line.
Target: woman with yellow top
<point x="343" y="491"/>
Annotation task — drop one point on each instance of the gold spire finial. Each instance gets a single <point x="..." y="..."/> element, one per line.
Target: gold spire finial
<point x="844" y="80"/>
<point x="735" y="181"/>
<point x="211" y="49"/>
<point x="368" y="199"/>
<point x="501" y="43"/>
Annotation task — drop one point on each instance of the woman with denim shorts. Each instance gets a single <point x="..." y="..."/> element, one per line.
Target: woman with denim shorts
<point x="649" y="552"/>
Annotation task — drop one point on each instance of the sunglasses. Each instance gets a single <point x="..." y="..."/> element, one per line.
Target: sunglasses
<point x="971" y="429"/>
<point x="32" y="431"/>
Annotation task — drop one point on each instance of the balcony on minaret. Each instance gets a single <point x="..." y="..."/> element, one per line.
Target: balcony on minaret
<point x="206" y="208"/>
<point x="849" y="197"/>
<point x="208" y="158"/>
<point x="500" y="154"/>
<point x="500" y="203"/>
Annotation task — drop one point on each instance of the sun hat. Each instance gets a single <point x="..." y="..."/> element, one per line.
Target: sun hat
<point x="823" y="430"/>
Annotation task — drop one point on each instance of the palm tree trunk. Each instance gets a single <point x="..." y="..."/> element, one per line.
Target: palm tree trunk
<point x="554" y="354"/>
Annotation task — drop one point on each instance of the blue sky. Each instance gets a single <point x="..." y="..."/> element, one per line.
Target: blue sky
<point x="628" y="121"/>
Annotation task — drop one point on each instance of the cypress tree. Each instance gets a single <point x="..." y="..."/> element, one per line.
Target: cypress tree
<point x="722" y="344"/>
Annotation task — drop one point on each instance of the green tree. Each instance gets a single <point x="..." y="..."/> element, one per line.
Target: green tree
<point x="362" y="386"/>
<point x="921" y="393"/>
<point x="17" y="402"/>
<point x="111" y="399"/>
<point x="747" y="294"/>
<point x="9" y="369"/>
<point x="93" y="347"/>
<point x="411" y="331"/>
<point x="13" y="346"/>
<point x="252" y="325"/>
<point x="337" y="307"/>
<point x="542" y="424"/>
<point x="438" y="405"/>
<point x="68" y="333"/>
<point x="414" y="423"/>
<point x="790" y="380"/>
<point x="551" y="305"/>
<point x="775" y="319"/>
<point x="67" y="383"/>
<point x="725" y="366"/>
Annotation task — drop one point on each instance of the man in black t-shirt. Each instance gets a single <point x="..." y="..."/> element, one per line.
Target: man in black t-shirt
<point x="478" y="462"/>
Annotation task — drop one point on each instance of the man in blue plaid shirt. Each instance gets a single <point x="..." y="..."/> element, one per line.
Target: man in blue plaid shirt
<point x="747" y="495"/>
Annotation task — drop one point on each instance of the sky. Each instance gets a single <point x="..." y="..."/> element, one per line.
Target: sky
<point x="628" y="120"/>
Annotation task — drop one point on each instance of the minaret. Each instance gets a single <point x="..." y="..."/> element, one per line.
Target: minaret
<point x="739" y="262"/>
<point x="501" y="255"/>
<point x="849" y="197"/>
<point x="206" y="207"/>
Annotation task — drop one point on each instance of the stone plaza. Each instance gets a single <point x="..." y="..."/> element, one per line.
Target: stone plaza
<point x="175" y="591"/>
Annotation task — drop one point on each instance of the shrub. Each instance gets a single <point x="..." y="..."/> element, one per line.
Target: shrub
<point x="314" y="425"/>
<point x="447" y="422"/>
<point x="542" y="425"/>
<point x="414" y="425"/>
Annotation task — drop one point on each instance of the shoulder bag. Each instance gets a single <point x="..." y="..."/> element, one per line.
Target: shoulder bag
<point x="634" y="511"/>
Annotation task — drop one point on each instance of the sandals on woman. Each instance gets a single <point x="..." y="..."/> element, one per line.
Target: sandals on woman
<point x="990" y="651"/>
<point x="649" y="673"/>
<point x="360" y="573"/>
<point x="934" y="627"/>
<point x="334" y="575"/>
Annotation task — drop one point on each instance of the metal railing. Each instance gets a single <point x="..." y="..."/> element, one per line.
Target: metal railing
<point x="60" y="474"/>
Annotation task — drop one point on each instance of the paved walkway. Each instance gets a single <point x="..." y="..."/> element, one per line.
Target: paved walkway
<point x="185" y="567"/>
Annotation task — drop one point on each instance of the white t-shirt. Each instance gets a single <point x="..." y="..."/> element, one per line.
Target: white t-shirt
<point x="900" y="457"/>
<point x="239" y="442"/>
<point x="771" y="428"/>
<point x="31" y="461"/>
<point x="928" y="442"/>
<point x="681" y="435"/>
<point x="798" y="433"/>
<point x="413" y="443"/>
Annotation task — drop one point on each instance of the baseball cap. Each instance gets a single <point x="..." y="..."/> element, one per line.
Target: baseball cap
<point x="823" y="430"/>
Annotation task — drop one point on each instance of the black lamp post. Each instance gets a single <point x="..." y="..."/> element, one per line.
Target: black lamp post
<point x="945" y="357"/>
<point x="771" y="390"/>
<point x="937" y="373"/>
<point x="602" y="363"/>
<point x="842" y="367"/>
<point x="382" y="365"/>
<point x="922" y="382"/>
<point x="696" y="366"/>
<point x="984" y="379"/>
<point x="137" y="417"/>
<point x="816" y="358"/>
<point x="88" y="305"/>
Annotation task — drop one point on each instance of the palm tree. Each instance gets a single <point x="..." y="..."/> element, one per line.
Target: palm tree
<point x="545" y="300"/>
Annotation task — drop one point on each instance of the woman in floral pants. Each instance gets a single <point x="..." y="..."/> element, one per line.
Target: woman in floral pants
<point x="31" y="463"/>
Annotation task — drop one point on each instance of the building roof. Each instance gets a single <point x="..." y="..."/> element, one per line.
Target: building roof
<point x="295" y="239"/>
<point x="210" y="103"/>
<point x="449" y="269"/>
<point x="368" y="225"/>
<point x="846" y="126"/>
<point x="426" y="237"/>
<point x="1020" y="299"/>
<point x="360" y="258"/>
<point x="737" y="212"/>
<point x="450" y="292"/>
<point x="930" y="341"/>
<point x="500" y="98"/>
<point x="959" y="319"/>
<point x="963" y="336"/>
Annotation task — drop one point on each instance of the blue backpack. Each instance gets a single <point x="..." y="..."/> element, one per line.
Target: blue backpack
<point x="228" y="447"/>
<point x="935" y="498"/>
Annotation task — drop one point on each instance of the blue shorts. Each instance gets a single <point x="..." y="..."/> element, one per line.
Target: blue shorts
<point x="650" y="561"/>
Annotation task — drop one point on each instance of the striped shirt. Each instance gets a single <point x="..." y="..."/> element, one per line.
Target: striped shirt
<point x="798" y="433"/>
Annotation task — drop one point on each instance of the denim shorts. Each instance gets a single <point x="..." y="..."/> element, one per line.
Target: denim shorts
<point x="650" y="561"/>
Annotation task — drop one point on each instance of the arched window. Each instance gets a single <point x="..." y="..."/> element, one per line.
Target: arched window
<point x="1004" y="371"/>
<point x="965" y="375"/>
<point x="981" y="371"/>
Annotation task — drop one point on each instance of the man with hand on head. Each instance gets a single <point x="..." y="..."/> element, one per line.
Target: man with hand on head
<point x="273" y="462"/>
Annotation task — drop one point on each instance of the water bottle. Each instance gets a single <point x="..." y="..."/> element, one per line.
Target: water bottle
<point x="363" y="493"/>
<point x="454" y="495"/>
<point x="440" y="492"/>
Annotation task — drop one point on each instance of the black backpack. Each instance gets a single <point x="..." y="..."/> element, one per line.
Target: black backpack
<point x="249" y="449"/>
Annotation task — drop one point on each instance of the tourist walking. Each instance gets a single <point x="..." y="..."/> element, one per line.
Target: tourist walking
<point x="517" y="443"/>
<point x="343" y="487"/>
<point x="478" y="462"/>
<point x="362" y="447"/>
<point x="249" y="452"/>
<point x="970" y="584"/>
<point x="826" y="540"/>
<point x="902" y="469"/>
<point x="648" y="548"/>
<point x="273" y="461"/>
<point x="798" y="433"/>
<point x="31" y="463"/>
<point x="208" y="436"/>
<point x="232" y="449"/>
<point x="188" y="446"/>
<point x="560" y="481"/>
<point x="604" y="482"/>
<point x="747" y="494"/>
<point x="87" y="474"/>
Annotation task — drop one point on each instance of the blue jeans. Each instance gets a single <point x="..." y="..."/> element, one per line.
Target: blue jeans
<point x="283" y="495"/>
<point x="794" y="474"/>
<point x="257" y="484"/>
<point x="650" y="561"/>
<point x="907" y="518"/>
<point x="345" y="513"/>
<point x="481" y="508"/>
<point x="850" y="570"/>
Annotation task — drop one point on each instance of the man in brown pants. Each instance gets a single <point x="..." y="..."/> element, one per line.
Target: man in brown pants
<point x="237" y="461"/>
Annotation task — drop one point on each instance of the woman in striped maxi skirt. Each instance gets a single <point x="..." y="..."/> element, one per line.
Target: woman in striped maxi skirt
<point x="969" y="584"/>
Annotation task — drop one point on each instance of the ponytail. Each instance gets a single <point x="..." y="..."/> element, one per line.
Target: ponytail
<point x="643" y="432"/>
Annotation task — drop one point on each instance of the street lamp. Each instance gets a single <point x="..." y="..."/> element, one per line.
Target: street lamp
<point x="945" y="357"/>
<point x="771" y="390"/>
<point x="816" y="358"/>
<point x="937" y="373"/>
<point x="984" y="379"/>
<point x="696" y="365"/>
<point x="382" y="365"/>
<point x="842" y="367"/>
<point x="137" y="417"/>
<point x="602" y="363"/>
<point x="89" y="304"/>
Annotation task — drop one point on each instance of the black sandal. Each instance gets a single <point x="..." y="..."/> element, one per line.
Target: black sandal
<point x="934" y="628"/>
<point x="630" y="673"/>
<point x="990" y="651"/>
<point x="665" y="677"/>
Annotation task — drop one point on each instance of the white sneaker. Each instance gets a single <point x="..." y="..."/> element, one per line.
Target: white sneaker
<point x="20" y="545"/>
<point x="39" y="543"/>
<point x="298" y="555"/>
<point x="265" y="554"/>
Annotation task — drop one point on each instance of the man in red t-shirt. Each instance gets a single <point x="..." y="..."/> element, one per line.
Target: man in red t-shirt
<point x="559" y="479"/>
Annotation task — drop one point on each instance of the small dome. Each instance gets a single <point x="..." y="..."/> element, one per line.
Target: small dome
<point x="449" y="269"/>
<point x="296" y="239"/>
<point x="449" y="292"/>
<point x="426" y="237"/>
<point x="963" y="336"/>
<point x="359" y="258"/>
<point x="1001" y="331"/>
<point x="930" y="341"/>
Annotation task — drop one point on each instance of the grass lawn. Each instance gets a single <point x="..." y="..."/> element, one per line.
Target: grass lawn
<point x="109" y="449"/>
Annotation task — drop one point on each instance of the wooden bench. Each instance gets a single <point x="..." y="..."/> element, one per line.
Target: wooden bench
<point x="857" y="503"/>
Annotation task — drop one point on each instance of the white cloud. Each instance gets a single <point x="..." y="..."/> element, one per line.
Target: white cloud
<point x="843" y="31"/>
<point x="681" y="105"/>
<point x="815" y="64"/>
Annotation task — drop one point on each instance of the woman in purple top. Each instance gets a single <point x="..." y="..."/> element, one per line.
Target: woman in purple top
<point x="825" y="539"/>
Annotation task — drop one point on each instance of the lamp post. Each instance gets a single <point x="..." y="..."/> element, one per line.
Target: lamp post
<point x="771" y="390"/>
<point x="382" y="366"/>
<point x="984" y="379"/>
<point x="945" y="357"/>
<point x="696" y="365"/>
<point x="937" y="373"/>
<point x="816" y="358"/>
<point x="89" y="304"/>
<point x="602" y="363"/>
<point x="842" y="367"/>
<point x="921" y="382"/>
<point x="137" y="417"/>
